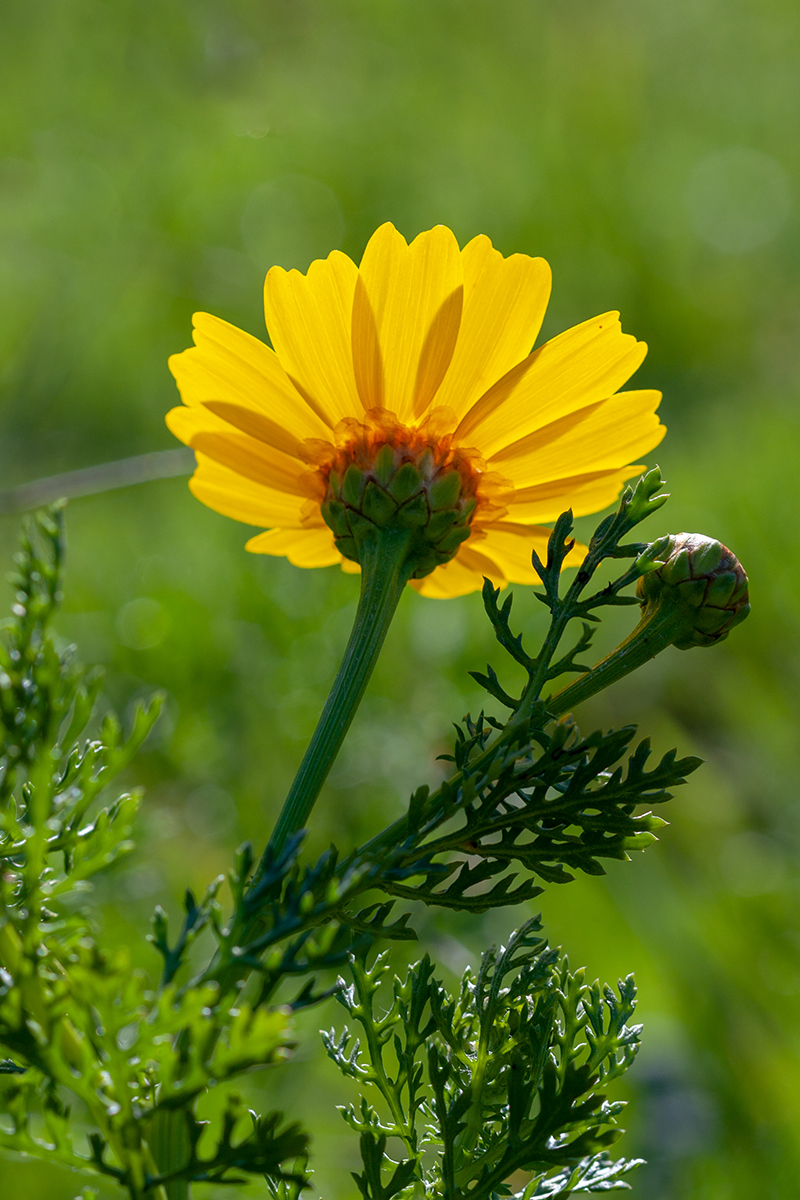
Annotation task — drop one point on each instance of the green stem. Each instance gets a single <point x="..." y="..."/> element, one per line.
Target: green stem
<point x="170" y="1146"/>
<point x="658" y="628"/>
<point x="385" y="569"/>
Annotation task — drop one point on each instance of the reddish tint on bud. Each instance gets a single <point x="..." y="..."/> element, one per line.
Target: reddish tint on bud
<point x="702" y="576"/>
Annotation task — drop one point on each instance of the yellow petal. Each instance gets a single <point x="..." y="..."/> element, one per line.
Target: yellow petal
<point x="228" y="364"/>
<point x="580" y="367"/>
<point x="500" y="552"/>
<point x="253" y="423"/>
<point x="218" y="417"/>
<point x="588" y="493"/>
<point x="504" y="306"/>
<point x="406" y="318"/>
<point x="192" y="425"/>
<point x="453" y="579"/>
<point x="187" y="422"/>
<point x="309" y="318"/>
<point x="229" y="493"/>
<point x="303" y="547"/>
<point x="600" y="437"/>
<point x="487" y="568"/>
<point x="256" y="462"/>
<point x="509" y="547"/>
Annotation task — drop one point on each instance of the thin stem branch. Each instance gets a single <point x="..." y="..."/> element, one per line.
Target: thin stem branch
<point x="104" y="477"/>
<point x="656" y="630"/>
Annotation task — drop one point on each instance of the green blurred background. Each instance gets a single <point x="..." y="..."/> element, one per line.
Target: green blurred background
<point x="156" y="159"/>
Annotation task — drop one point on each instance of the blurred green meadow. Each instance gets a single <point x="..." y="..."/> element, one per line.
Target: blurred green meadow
<point x="156" y="159"/>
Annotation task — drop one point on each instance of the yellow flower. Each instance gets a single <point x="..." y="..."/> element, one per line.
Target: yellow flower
<point x="419" y="358"/>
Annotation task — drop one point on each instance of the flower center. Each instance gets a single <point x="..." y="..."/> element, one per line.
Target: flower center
<point x="384" y="475"/>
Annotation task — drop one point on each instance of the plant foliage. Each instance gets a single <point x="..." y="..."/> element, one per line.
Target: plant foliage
<point x="530" y="801"/>
<point x="500" y="1078"/>
<point x="75" y="1020"/>
<point x="507" y="1076"/>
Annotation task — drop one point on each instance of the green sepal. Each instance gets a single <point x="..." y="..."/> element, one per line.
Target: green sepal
<point x="444" y="491"/>
<point x="384" y="465"/>
<point x="414" y="513"/>
<point x="347" y="546"/>
<point x="451" y="541"/>
<point x="353" y="486"/>
<point x="406" y="483"/>
<point x="334" y="514"/>
<point x="377" y="504"/>
<point x="439" y="524"/>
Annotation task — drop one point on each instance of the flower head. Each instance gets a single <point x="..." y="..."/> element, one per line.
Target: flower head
<point x="704" y="578"/>
<point x="404" y="391"/>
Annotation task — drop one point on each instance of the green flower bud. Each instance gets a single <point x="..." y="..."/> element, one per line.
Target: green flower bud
<point x="702" y="576"/>
<point x="402" y="487"/>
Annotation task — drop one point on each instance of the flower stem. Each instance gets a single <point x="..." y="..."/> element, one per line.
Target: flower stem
<point x="171" y="1147"/>
<point x="385" y="570"/>
<point x="658" y="628"/>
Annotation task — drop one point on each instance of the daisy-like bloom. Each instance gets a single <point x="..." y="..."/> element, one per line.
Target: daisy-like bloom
<point x="402" y="425"/>
<point x="403" y="394"/>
